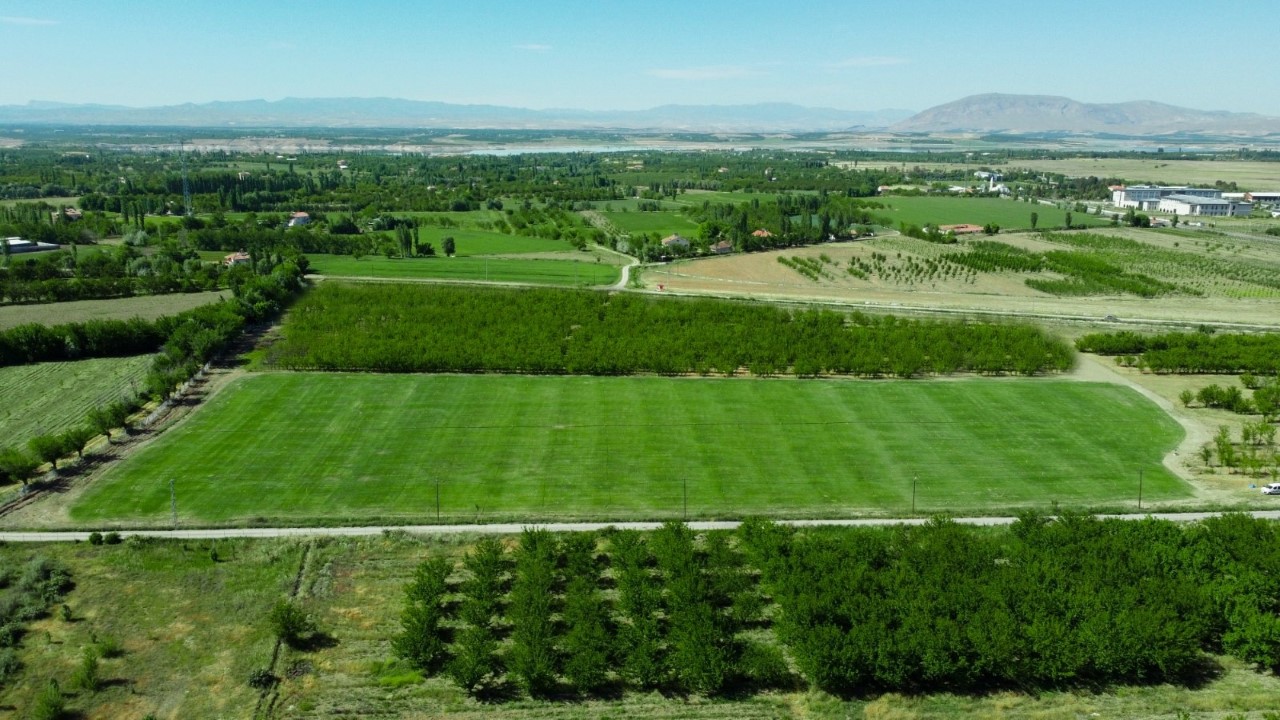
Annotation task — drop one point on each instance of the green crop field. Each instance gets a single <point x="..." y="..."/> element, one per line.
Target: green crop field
<point x="663" y="223"/>
<point x="47" y="398"/>
<point x="482" y="242"/>
<point x="364" y="447"/>
<point x="518" y="270"/>
<point x="1008" y="214"/>
<point x="148" y="307"/>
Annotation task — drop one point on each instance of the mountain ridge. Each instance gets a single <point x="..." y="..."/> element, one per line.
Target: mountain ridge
<point x="1007" y="113"/>
<point x="397" y="112"/>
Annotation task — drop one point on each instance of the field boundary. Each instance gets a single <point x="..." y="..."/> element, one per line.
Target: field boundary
<point x="564" y="527"/>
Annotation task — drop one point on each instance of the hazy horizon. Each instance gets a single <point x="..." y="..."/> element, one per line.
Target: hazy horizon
<point x="610" y="56"/>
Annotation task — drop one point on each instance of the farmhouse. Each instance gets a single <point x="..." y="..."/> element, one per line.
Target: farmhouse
<point x="1148" y="197"/>
<point x="18" y="245"/>
<point x="723" y="247"/>
<point x="675" y="241"/>
<point x="236" y="258"/>
<point x="1193" y="205"/>
<point x="299" y="218"/>
<point x="762" y="233"/>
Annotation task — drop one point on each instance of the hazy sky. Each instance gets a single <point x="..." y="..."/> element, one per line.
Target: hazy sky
<point x="604" y="54"/>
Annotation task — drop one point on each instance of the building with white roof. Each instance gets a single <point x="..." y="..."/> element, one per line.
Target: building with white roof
<point x="1195" y="205"/>
<point x="1148" y="197"/>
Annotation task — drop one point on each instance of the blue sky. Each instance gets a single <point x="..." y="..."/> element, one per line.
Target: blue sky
<point x="608" y="54"/>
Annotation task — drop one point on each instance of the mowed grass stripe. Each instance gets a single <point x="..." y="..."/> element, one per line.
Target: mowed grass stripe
<point x="312" y="447"/>
<point x="49" y="398"/>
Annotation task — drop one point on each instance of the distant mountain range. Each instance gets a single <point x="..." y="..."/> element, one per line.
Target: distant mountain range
<point x="1026" y="114"/>
<point x="986" y="114"/>
<point x="396" y="113"/>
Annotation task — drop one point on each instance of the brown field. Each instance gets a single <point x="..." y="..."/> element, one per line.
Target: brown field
<point x="1224" y="301"/>
<point x="148" y="307"/>
<point x="1260" y="176"/>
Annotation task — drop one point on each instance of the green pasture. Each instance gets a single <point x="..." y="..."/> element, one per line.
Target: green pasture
<point x="468" y="242"/>
<point x="662" y="222"/>
<point x="48" y="398"/>
<point x="306" y="447"/>
<point x="517" y="270"/>
<point x="1008" y="214"/>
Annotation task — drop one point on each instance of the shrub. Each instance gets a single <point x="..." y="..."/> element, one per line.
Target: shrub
<point x="110" y="647"/>
<point x="86" y="676"/>
<point x="49" y="703"/>
<point x="111" y="538"/>
<point x="290" y="624"/>
<point x="9" y="664"/>
<point x="262" y="679"/>
<point x="95" y="538"/>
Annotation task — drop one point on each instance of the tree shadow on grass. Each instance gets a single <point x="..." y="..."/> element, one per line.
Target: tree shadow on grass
<point x="313" y="642"/>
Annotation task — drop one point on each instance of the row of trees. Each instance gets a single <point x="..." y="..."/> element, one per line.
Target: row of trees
<point x="1048" y="603"/>
<point x="20" y="465"/>
<point x="1084" y="273"/>
<point x="453" y="329"/>
<point x="681" y="605"/>
<point x="1196" y="352"/>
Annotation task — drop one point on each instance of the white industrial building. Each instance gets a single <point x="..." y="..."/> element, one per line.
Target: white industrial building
<point x="1195" y="205"/>
<point x="1269" y="198"/>
<point x="1148" y="197"/>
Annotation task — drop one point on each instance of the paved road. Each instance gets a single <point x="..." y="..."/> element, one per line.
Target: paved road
<point x="514" y="528"/>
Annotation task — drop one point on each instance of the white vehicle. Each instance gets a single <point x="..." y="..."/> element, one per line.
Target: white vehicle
<point x="1272" y="489"/>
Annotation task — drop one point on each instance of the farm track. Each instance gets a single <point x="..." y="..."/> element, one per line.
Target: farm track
<point x="517" y="528"/>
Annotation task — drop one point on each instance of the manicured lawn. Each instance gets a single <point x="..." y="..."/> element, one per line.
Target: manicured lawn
<point x="1008" y="214"/>
<point x="362" y="448"/>
<point x="545" y="272"/>
<point x="48" y="398"/>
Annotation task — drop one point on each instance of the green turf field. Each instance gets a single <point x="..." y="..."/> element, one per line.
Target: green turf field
<point x="363" y="447"/>
<point x="47" y="398"/>
<point x="544" y="272"/>
<point x="663" y="223"/>
<point x="1008" y="214"/>
<point x="469" y="242"/>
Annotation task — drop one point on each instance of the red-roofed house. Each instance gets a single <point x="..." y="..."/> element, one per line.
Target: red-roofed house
<point x="236" y="258"/>
<point x="762" y="233"/>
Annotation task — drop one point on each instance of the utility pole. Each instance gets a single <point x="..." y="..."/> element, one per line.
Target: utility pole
<point x="1139" y="489"/>
<point x="173" y="503"/>
<point x="914" y="479"/>
<point x="685" y="482"/>
<point x="437" y="499"/>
